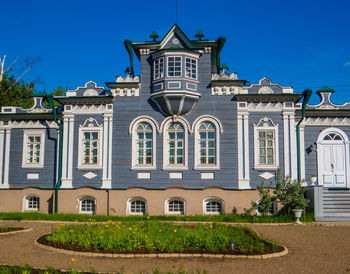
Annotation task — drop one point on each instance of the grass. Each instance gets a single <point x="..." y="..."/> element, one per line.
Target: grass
<point x="27" y="269"/>
<point x="155" y="236"/>
<point x="235" y="218"/>
<point x="4" y="229"/>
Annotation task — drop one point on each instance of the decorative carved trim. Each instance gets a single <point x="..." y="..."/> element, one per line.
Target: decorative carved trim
<point x="89" y="123"/>
<point x="144" y="51"/>
<point x="265" y="107"/>
<point x="89" y="109"/>
<point x="128" y="79"/>
<point x="34" y="124"/>
<point x="326" y="121"/>
<point x="224" y="76"/>
<point x="225" y="90"/>
<point x="125" y="92"/>
<point x="207" y="49"/>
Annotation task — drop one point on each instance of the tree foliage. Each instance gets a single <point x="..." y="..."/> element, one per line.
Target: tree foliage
<point x="265" y="203"/>
<point x="15" y="93"/>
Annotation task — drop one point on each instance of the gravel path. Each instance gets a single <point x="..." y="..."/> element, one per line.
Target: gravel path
<point x="312" y="249"/>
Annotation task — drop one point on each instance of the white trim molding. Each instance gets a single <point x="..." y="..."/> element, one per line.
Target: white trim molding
<point x="90" y="125"/>
<point x="164" y="129"/>
<point x="218" y="130"/>
<point x="34" y="133"/>
<point x="266" y="124"/>
<point x="132" y="131"/>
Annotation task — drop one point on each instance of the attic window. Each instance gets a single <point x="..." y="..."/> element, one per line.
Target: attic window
<point x="158" y="68"/>
<point x="174" y="66"/>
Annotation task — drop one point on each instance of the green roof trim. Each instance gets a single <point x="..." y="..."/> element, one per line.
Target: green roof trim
<point x="326" y="89"/>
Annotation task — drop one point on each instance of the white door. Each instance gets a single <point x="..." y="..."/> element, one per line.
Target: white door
<point x="331" y="156"/>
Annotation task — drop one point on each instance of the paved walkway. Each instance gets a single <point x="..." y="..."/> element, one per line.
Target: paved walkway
<point x="312" y="249"/>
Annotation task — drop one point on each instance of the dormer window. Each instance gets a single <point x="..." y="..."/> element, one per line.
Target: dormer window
<point x="191" y="68"/>
<point x="174" y="66"/>
<point x="158" y="68"/>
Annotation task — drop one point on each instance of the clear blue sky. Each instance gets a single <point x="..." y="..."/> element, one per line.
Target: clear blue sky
<point x="302" y="43"/>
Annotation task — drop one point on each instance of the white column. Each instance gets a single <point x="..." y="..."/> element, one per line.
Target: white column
<point x="286" y="145"/>
<point x="65" y="148"/>
<point x="70" y="150"/>
<point x="246" y="149"/>
<point x="110" y="149"/>
<point x="7" y="158"/>
<point x="293" y="148"/>
<point x="1" y="154"/>
<point x="302" y="153"/>
<point x="240" y="147"/>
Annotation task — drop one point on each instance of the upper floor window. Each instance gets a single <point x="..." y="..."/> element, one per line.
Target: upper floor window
<point x="266" y="144"/>
<point x="174" y="66"/>
<point x="207" y="131"/>
<point x="176" y="144"/>
<point x="158" y="68"/>
<point x="33" y="148"/>
<point x="207" y="141"/>
<point x="90" y="145"/>
<point x="191" y="68"/>
<point x="143" y="133"/>
<point x="144" y="141"/>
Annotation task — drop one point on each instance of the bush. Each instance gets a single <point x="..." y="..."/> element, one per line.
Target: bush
<point x="266" y="200"/>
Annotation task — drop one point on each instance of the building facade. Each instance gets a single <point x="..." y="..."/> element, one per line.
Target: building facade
<point x="183" y="137"/>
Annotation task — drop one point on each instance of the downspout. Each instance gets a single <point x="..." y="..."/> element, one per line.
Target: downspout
<point x="49" y="99"/>
<point x="306" y="95"/>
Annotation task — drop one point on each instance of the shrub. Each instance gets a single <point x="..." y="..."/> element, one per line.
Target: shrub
<point x="266" y="200"/>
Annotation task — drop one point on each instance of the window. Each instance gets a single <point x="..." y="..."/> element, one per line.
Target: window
<point x="158" y="67"/>
<point x="137" y="206"/>
<point x="144" y="144"/>
<point x="143" y="131"/>
<point x="207" y="131"/>
<point x="174" y="66"/>
<point x="207" y="143"/>
<point x="213" y="206"/>
<point x="266" y="145"/>
<point x="175" y="206"/>
<point x="90" y="145"/>
<point x="31" y="202"/>
<point x="87" y="205"/>
<point x="176" y="144"/>
<point x="191" y="68"/>
<point x="33" y="148"/>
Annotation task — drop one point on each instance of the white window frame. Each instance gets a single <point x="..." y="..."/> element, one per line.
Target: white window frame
<point x="196" y="73"/>
<point x="214" y="199"/>
<point x="167" y="66"/>
<point x="266" y="124"/>
<point x="164" y="127"/>
<point x="90" y="125"/>
<point x="160" y="76"/>
<point x="218" y="131"/>
<point x="175" y="212"/>
<point x="128" y="210"/>
<point x="25" y="206"/>
<point x="132" y="131"/>
<point x="26" y="134"/>
<point x="80" y="203"/>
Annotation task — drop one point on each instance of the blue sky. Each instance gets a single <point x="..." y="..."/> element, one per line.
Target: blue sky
<point x="298" y="43"/>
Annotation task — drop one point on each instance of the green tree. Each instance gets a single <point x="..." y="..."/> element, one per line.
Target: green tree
<point x="15" y="93"/>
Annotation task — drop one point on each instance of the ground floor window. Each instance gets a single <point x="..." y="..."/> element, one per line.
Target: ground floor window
<point x="175" y="206"/>
<point x="137" y="207"/>
<point x="31" y="202"/>
<point x="87" y="205"/>
<point x="213" y="206"/>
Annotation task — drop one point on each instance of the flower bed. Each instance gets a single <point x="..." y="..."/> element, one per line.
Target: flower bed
<point x="158" y="237"/>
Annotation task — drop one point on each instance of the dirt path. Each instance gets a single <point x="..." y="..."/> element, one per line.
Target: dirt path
<point x="312" y="249"/>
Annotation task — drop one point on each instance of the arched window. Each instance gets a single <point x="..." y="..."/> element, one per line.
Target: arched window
<point x="143" y="130"/>
<point x="207" y="143"/>
<point x="87" y="205"/>
<point x="144" y="143"/>
<point x="175" y="206"/>
<point x="213" y="206"/>
<point x="176" y="142"/>
<point x="136" y="206"/>
<point x="333" y="137"/>
<point x="207" y="130"/>
<point x="31" y="202"/>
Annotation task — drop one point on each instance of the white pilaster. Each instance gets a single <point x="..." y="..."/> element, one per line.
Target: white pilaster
<point x="110" y="149"/>
<point x="7" y="158"/>
<point x="1" y="154"/>
<point x="240" y="147"/>
<point x="67" y="159"/>
<point x="302" y="153"/>
<point x="246" y="148"/>
<point x="286" y="135"/>
<point x="293" y="148"/>
<point x="107" y="151"/>
<point x="65" y="148"/>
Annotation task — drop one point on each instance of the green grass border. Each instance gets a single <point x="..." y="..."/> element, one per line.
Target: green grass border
<point x="233" y="218"/>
